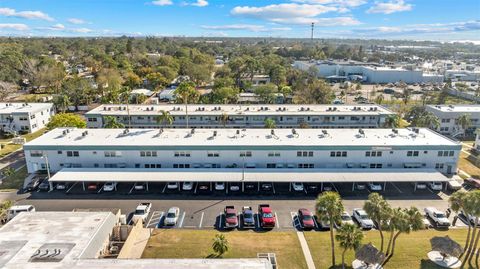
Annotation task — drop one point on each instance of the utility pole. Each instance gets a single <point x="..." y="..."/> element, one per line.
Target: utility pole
<point x="313" y="26"/>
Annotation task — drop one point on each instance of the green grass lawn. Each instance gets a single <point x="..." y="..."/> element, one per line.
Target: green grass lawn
<point x="177" y="243"/>
<point x="15" y="181"/>
<point x="467" y="164"/>
<point x="411" y="251"/>
<point x="9" y="148"/>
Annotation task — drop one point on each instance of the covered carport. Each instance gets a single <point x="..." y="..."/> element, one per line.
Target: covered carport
<point x="129" y="175"/>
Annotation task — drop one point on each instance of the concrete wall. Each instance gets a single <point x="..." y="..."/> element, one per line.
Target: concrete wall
<point x="135" y="243"/>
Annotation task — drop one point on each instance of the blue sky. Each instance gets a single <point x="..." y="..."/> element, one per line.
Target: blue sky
<point x="442" y="20"/>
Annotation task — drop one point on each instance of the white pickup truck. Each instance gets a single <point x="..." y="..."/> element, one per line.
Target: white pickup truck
<point x="141" y="212"/>
<point x="438" y="217"/>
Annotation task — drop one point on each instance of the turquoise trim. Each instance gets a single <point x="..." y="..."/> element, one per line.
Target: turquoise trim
<point x="273" y="147"/>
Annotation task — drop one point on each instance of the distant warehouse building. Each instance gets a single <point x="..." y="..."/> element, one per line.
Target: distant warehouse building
<point x="368" y="72"/>
<point x="25" y="117"/>
<point x="244" y="116"/>
<point x="256" y="155"/>
<point x="448" y="116"/>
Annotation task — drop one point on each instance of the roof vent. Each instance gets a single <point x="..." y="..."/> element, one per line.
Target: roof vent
<point x="214" y="133"/>
<point x="272" y="132"/>
<point x="395" y="131"/>
<point x="361" y="131"/>
<point x="125" y="131"/>
<point x="192" y="131"/>
<point x="294" y="132"/>
<point x="324" y="132"/>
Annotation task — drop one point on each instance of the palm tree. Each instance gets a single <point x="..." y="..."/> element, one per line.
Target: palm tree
<point x="473" y="206"/>
<point x="379" y="99"/>
<point x="220" y="244"/>
<point x="223" y="119"/>
<point x="329" y="208"/>
<point x="350" y="238"/>
<point x="165" y="118"/>
<point x="112" y="123"/>
<point x="406" y="95"/>
<point x="411" y="220"/>
<point x="186" y="91"/>
<point x="464" y="122"/>
<point x="379" y="211"/>
<point x="458" y="201"/>
<point x="270" y="123"/>
<point x="392" y="121"/>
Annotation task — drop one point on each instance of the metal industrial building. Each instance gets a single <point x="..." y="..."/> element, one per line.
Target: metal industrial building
<point x="243" y="116"/>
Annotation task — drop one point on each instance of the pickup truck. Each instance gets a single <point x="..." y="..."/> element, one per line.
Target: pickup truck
<point x="437" y="216"/>
<point x="231" y="220"/>
<point x="265" y="214"/>
<point x="141" y="212"/>
<point x="248" y="217"/>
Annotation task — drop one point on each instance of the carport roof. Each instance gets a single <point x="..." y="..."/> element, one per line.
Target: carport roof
<point x="248" y="175"/>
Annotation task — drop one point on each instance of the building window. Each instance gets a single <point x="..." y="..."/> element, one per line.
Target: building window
<point x="245" y="154"/>
<point x="182" y="154"/>
<point x="274" y="154"/>
<point x="113" y="154"/>
<point x="36" y="153"/>
<point x="181" y="165"/>
<point x="304" y="153"/>
<point x="92" y="119"/>
<point x="376" y="165"/>
<point x="213" y="154"/>
<point x="338" y="154"/>
<point x="306" y="165"/>
<point x="72" y="153"/>
<point x="413" y="153"/>
<point x="373" y="154"/>
<point x="439" y="166"/>
<point x="271" y="165"/>
<point x="59" y="152"/>
<point x="451" y="153"/>
<point x="148" y="154"/>
<point x="110" y="165"/>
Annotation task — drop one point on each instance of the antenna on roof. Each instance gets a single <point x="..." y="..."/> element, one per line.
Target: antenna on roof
<point x="361" y="131"/>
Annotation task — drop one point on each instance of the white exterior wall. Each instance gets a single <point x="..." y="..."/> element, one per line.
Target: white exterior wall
<point x="25" y="117"/>
<point x="448" y="125"/>
<point x="391" y="158"/>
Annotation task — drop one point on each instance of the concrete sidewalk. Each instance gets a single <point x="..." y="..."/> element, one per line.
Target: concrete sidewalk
<point x="306" y="250"/>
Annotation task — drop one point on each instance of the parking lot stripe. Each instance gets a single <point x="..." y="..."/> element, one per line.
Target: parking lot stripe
<point x="201" y="220"/>
<point x="396" y="187"/>
<point x="294" y="221"/>
<point x="276" y="220"/>
<point x="155" y="218"/>
<point x="220" y="221"/>
<point x="71" y="187"/>
<point x="181" y="220"/>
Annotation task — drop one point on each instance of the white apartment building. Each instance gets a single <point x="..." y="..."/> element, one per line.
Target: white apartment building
<point x="346" y="155"/>
<point x="244" y="116"/>
<point x="25" y="117"/>
<point x="448" y="115"/>
<point x="368" y="72"/>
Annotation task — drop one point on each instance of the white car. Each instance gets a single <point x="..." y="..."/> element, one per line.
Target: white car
<point x="141" y="211"/>
<point x="110" y="186"/>
<point x="187" y="186"/>
<point x="61" y="186"/>
<point x="345" y="218"/>
<point x="360" y="186"/>
<point x="362" y="218"/>
<point x="426" y="222"/>
<point x="172" y="216"/>
<point x="297" y="186"/>
<point x="421" y="185"/>
<point x="470" y="218"/>
<point x="438" y="217"/>
<point x="172" y="185"/>
<point x="374" y="186"/>
<point x="435" y="186"/>
<point x="219" y="186"/>
<point x="234" y="187"/>
<point x="140" y="187"/>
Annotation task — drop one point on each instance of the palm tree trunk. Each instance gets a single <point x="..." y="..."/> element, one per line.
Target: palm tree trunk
<point x="470" y="249"/>
<point x="467" y="241"/>
<point x="390" y="242"/>
<point x="475" y="246"/>
<point x="381" y="237"/>
<point x="332" y="242"/>
<point x="393" y="243"/>
<point x="343" y="258"/>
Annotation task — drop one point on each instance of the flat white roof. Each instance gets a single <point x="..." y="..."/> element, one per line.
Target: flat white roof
<point x="179" y="109"/>
<point x="229" y="138"/>
<point x="456" y="108"/>
<point x="12" y="108"/>
<point x="248" y="175"/>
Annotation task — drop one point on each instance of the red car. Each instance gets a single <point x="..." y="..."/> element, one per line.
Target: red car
<point x="473" y="182"/>
<point x="231" y="219"/>
<point x="306" y="218"/>
<point x="266" y="216"/>
<point x="92" y="186"/>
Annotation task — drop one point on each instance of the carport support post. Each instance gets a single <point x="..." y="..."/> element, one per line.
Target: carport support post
<point x="353" y="186"/>
<point x="147" y="186"/>
<point x="321" y="186"/>
<point x="243" y="186"/>
<point x="446" y="185"/>
<point x="290" y="186"/>
<point x="415" y="187"/>
<point x="50" y="185"/>
<point x="210" y="185"/>
<point x="384" y="185"/>
<point x="83" y="185"/>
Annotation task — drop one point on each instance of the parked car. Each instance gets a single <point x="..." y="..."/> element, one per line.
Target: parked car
<point x="110" y="186"/>
<point x="172" y="216"/>
<point x="33" y="184"/>
<point x="328" y="187"/>
<point x="219" y="186"/>
<point x="17" y="209"/>
<point x="438" y="217"/>
<point x="266" y="217"/>
<point x="172" y="185"/>
<point x="234" y="187"/>
<point x="141" y="211"/>
<point x="345" y="218"/>
<point x="362" y="218"/>
<point x="375" y="186"/>
<point x="44" y="186"/>
<point x="266" y="187"/>
<point x="187" y="186"/>
<point x="92" y="186"/>
<point x="435" y="186"/>
<point x="360" y="186"/>
<point x="470" y="218"/>
<point x="297" y="186"/>
<point x="203" y="186"/>
<point x="250" y="187"/>
<point x="312" y="188"/>
<point x="140" y="186"/>
<point x="473" y="182"/>
<point x="305" y="217"/>
<point x="61" y="186"/>
<point x="231" y="218"/>
<point x="248" y="217"/>
<point x="426" y="222"/>
<point x="421" y="185"/>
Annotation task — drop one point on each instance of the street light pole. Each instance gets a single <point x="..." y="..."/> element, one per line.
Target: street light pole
<point x="47" y="165"/>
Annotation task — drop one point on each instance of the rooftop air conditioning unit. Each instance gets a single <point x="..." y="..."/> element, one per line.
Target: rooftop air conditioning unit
<point x="361" y="131"/>
<point x="192" y="131"/>
<point x="395" y="131"/>
<point x="294" y="132"/>
<point x="214" y="133"/>
<point x="272" y="132"/>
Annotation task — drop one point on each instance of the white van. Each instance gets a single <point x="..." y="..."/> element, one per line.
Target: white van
<point x="17" y="209"/>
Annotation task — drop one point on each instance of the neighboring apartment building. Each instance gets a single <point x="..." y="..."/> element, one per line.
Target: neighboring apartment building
<point x="448" y="115"/>
<point x="368" y="72"/>
<point x="244" y="116"/>
<point x="278" y="150"/>
<point x="25" y="117"/>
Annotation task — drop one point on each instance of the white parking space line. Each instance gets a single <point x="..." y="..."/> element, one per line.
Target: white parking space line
<point x="294" y="220"/>
<point x="71" y="187"/>
<point x="276" y="219"/>
<point x="429" y="190"/>
<point x="220" y="221"/>
<point x="134" y="184"/>
<point x="315" y="223"/>
<point x="155" y="218"/>
<point x="400" y="191"/>
<point x="201" y="220"/>
<point x="180" y="224"/>
<point x="333" y="185"/>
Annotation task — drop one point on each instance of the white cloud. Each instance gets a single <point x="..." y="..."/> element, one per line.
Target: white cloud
<point x="76" y="21"/>
<point x="14" y="26"/>
<point x="244" y="27"/>
<point x="81" y="30"/>
<point x="200" y="3"/>
<point x="390" y="7"/>
<point x="345" y="3"/>
<point x="466" y="26"/>
<point x="162" y="2"/>
<point x="9" y="12"/>
<point x="58" y="26"/>
<point x="283" y="13"/>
